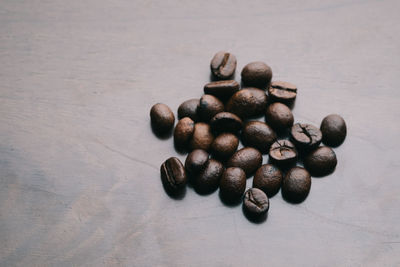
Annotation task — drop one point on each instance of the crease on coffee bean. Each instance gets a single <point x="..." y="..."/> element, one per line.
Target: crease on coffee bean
<point x="304" y="130"/>
<point x="252" y="200"/>
<point x="284" y="88"/>
<point x="223" y="63"/>
<point x="169" y="174"/>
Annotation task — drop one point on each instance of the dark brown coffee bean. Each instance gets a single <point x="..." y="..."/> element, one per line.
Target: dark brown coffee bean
<point x="305" y="136"/>
<point x="247" y="102"/>
<point x="173" y="175"/>
<point x="333" y="130"/>
<point x="257" y="74"/>
<point x="189" y="109"/>
<point x="296" y="184"/>
<point x="282" y="92"/>
<point x="248" y="159"/>
<point x="223" y="65"/>
<point x="222" y="89"/>
<point x="232" y="184"/>
<point x="183" y="132"/>
<point x="259" y="135"/>
<point x="255" y="202"/>
<point x="208" y="179"/>
<point x="209" y="107"/>
<point x="202" y="136"/>
<point x="268" y="178"/>
<point x="279" y="116"/>
<point x="226" y="122"/>
<point x="162" y="118"/>
<point x="224" y="145"/>
<point x="283" y="153"/>
<point x="321" y="161"/>
<point x="196" y="161"/>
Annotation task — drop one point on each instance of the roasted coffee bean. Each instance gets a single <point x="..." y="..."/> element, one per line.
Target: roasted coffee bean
<point x="173" y="175"/>
<point x="208" y="179"/>
<point x="224" y="145"/>
<point x="305" y="136"/>
<point x="189" y="109"/>
<point x="282" y="92"/>
<point x="296" y="184"/>
<point x="223" y="65"/>
<point x="283" y="153"/>
<point x="321" y="161"/>
<point x="162" y="118"/>
<point x="333" y="130"/>
<point x="209" y="107"/>
<point x="279" y="116"/>
<point x="226" y="122"/>
<point x="232" y="184"/>
<point x="222" y="89"/>
<point x="183" y="132"/>
<point x="248" y="159"/>
<point x="247" y="102"/>
<point x="257" y="74"/>
<point x="259" y="135"/>
<point x="268" y="178"/>
<point x="202" y="136"/>
<point x="196" y="161"/>
<point x="255" y="202"/>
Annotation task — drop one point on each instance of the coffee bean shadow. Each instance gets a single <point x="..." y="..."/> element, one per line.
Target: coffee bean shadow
<point x="181" y="150"/>
<point x="161" y="136"/>
<point x="293" y="200"/>
<point x="335" y="145"/>
<point x="254" y="219"/>
<point x="317" y="175"/>
<point x="214" y="78"/>
<point x="204" y="193"/>
<point x="175" y="195"/>
<point x="228" y="202"/>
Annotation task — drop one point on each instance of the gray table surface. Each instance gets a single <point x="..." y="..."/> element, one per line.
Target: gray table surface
<point x="79" y="164"/>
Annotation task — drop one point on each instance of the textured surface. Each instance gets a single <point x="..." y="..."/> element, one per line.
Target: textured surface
<point x="79" y="164"/>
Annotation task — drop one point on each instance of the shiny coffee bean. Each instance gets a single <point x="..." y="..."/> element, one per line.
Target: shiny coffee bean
<point x="259" y="135"/>
<point x="226" y="122"/>
<point x="333" y="130"/>
<point x="223" y="65"/>
<point x="268" y="178"/>
<point x="279" y="116"/>
<point x="257" y="74"/>
<point x="283" y="153"/>
<point x="296" y="184"/>
<point x="248" y="159"/>
<point x="232" y="184"/>
<point x="247" y="102"/>
<point x="222" y="89"/>
<point x="255" y="202"/>
<point x="189" y="109"/>
<point x="202" y="136"/>
<point x="305" y="136"/>
<point x="162" y="118"/>
<point x="183" y="132"/>
<point x="209" y="107"/>
<point x="321" y="161"/>
<point x="208" y="179"/>
<point x="196" y="161"/>
<point x="282" y="92"/>
<point x="224" y="145"/>
<point x="173" y="175"/>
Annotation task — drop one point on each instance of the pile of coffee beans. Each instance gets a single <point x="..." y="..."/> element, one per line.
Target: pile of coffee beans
<point x="210" y="129"/>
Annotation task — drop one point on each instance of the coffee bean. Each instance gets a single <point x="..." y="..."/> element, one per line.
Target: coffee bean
<point x="173" y="175"/>
<point x="208" y="179"/>
<point x="283" y="153"/>
<point x="305" y="136"/>
<point x="268" y="178"/>
<point x="226" y="122"/>
<point x="202" y="136"/>
<point x="224" y="145"/>
<point x="249" y="159"/>
<point x="279" y="116"/>
<point x="259" y="135"/>
<point x="183" y="132"/>
<point x="232" y="184"/>
<point x="222" y="89"/>
<point x="282" y="92"/>
<point x="189" y="109"/>
<point x="247" y="102"/>
<point x="257" y="74"/>
<point x="333" y="130"/>
<point x="209" y="106"/>
<point x="162" y="118"/>
<point x="196" y="161"/>
<point x="255" y="202"/>
<point x="223" y="65"/>
<point x="296" y="184"/>
<point x="321" y="161"/>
